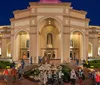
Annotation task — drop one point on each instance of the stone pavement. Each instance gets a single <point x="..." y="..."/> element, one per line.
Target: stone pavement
<point x="27" y="82"/>
<point x="20" y="82"/>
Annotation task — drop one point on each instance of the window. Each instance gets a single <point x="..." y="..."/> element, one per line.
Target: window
<point x="27" y="44"/>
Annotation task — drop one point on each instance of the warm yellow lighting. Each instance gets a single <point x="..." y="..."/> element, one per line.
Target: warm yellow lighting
<point x="49" y="21"/>
<point x="0" y="35"/>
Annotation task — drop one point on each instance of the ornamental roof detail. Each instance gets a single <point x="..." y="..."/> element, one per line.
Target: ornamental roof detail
<point x="50" y="1"/>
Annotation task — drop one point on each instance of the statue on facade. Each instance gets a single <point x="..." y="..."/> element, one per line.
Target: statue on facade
<point x="49" y="40"/>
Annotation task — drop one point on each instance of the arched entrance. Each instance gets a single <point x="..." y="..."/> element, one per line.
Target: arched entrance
<point x="22" y="45"/>
<point x="9" y="50"/>
<point x="90" y="48"/>
<point x="49" y="40"/>
<point x="99" y="51"/>
<point x="76" y="45"/>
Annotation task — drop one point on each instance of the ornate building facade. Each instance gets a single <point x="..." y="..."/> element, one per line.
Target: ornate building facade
<point x="51" y="29"/>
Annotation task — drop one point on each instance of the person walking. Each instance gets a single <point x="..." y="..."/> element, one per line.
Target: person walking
<point x="54" y="78"/>
<point x="60" y="77"/>
<point x="41" y="77"/>
<point x="81" y="76"/>
<point x="12" y="64"/>
<point x="22" y="63"/>
<point x="93" y="78"/>
<point x="30" y="60"/>
<point x="73" y="77"/>
<point x="6" y="73"/>
<point x="45" y="77"/>
<point x="20" y="72"/>
<point x="49" y="77"/>
<point x="97" y="78"/>
<point x="77" y="61"/>
<point x="13" y="73"/>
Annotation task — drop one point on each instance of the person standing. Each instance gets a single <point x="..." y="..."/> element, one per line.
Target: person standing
<point x="49" y="76"/>
<point x="41" y="77"/>
<point x="30" y="60"/>
<point x="22" y="63"/>
<point x="55" y="78"/>
<point x="74" y="56"/>
<point x="73" y="77"/>
<point x="13" y="64"/>
<point x="97" y="78"/>
<point x="81" y="76"/>
<point x="13" y="73"/>
<point x="45" y="78"/>
<point x="60" y="77"/>
<point x="20" y="72"/>
<point x="77" y="61"/>
<point x="6" y="73"/>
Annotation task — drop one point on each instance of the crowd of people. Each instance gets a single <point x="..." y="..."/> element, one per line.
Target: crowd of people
<point x="94" y="77"/>
<point x="77" y="75"/>
<point x="51" y="78"/>
<point x="14" y="72"/>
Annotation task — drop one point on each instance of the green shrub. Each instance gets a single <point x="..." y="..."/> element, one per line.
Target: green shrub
<point x="94" y="63"/>
<point x="34" y="72"/>
<point x="66" y="72"/>
<point x="4" y="64"/>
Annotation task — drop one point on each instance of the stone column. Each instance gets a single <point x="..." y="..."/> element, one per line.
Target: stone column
<point x="66" y="47"/>
<point x="95" y="47"/>
<point x="85" y="47"/>
<point x="4" y="47"/>
<point x="33" y="45"/>
<point x="13" y="49"/>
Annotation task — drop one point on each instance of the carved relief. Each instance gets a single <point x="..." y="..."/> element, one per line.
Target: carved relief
<point x="78" y="23"/>
<point x="48" y="10"/>
<point x="22" y="23"/>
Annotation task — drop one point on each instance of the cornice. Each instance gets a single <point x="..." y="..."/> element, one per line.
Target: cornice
<point x="31" y="16"/>
<point x="94" y="27"/>
<point x="20" y="11"/>
<point x="68" y="16"/>
<point x="79" y="11"/>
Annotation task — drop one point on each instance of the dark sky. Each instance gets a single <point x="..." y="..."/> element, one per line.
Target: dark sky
<point x="91" y="6"/>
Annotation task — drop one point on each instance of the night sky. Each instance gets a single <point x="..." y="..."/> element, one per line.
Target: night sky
<point x="91" y="6"/>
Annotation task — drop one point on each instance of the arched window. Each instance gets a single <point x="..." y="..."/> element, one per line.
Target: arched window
<point x="27" y="44"/>
<point x="99" y="51"/>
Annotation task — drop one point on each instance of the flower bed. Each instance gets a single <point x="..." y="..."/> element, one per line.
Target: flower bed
<point x="33" y="74"/>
